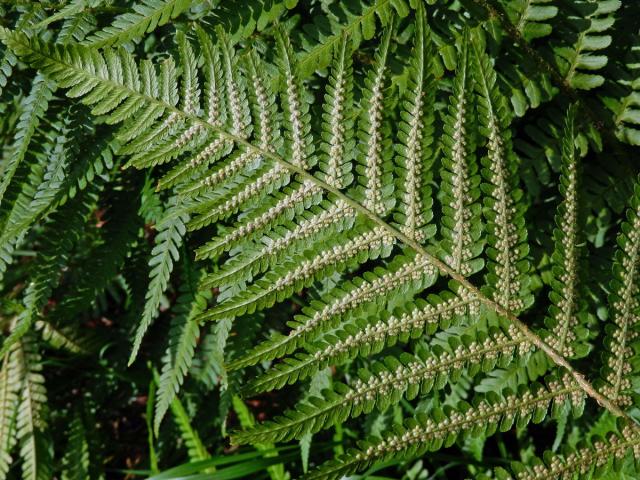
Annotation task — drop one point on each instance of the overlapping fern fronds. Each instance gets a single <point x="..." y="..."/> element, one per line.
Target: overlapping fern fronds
<point x="379" y="207"/>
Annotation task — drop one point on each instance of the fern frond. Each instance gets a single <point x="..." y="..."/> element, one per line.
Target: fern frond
<point x="406" y="273"/>
<point x="374" y="155"/>
<point x="442" y="427"/>
<point x="76" y="457"/>
<point x="146" y="16"/>
<point x="313" y="226"/>
<point x="171" y="229"/>
<point x="461" y="224"/>
<point x="587" y="461"/>
<point x="414" y="155"/>
<point x="34" y="108"/>
<point x="279" y="283"/>
<point x="532" y="17"/>
<point x="337" y="144"/>
<point x="54" y="255"/>
<point x="385" y="383"/>
<point x="507" y="234"/>
<point x="8" y="403"/>
<point x="589" y="21"/>
<point x="366" y="337"/>
<point x="624" y="301"/>
<point x="31" y="419"/>
<point x="295" y="105"/>
<point x="183" y="336"/>
<point x="565" y="332"/>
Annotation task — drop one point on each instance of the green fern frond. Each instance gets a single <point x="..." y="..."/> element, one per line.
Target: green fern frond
<point x="171" y="229"/>
<point x="8" y="404"/>
<point x="365" y="337"/>
<point x="405" y="274"/>
<point x="442" y="428"/>
<point x="414" y="156"/>
<point x="146" y="16"/>
<point x="31" y="418"/>
<point x="385" y="383"/>
<point x="183" y="336"/>
<point x="601" y="457"/>
<point x="35" y="105"/>
<point x="566" y="332"/>
<point x="76" y="457"/>
<point x="507" y="234"/>
<point x="589" y="21"/>
<point x="460" y="188"/>
<point x="374" y="156"/>
<point x="624" y="301"/>
<point x="532" y="18"/>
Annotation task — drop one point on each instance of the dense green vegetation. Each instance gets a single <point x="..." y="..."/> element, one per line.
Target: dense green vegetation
<point x="320" y="239"/>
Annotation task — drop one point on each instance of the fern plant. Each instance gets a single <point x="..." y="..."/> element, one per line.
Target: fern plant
<point x="400" y="212"/>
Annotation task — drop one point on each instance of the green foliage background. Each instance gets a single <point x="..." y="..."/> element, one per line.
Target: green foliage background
<point x="315" y="238"/>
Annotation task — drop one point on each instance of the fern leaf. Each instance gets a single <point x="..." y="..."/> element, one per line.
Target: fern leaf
<point x="532" y="17"/>
<point x="53" y="257"/>
<point x="8" y="404"/>
<point x="313" y="226"/>
<point x="592" y="461"/>
<point x="183" y="336"/>
<point x="374" y="156"/>
<point x="31" y="418"/>
<point x="171" y="230"/>
<point x="624" y="302"/>
<point x="442" y="428"/>
<point x="367" y="337"/>
<point x="415" y="135"/>
<point x="461" y="224"/>
<point x="76" y="457"/>
<point x="564" y="323"/>
<point x="507" y="235"/>
<point x="295" y="105"/>
<point x="146" y="16"/>
<point x="281" y="282"/>
<point x="404" y="274"/>
<point x="35" y="106"/>
<point x="385" y="383"/>
<point x="591" y="19"/>
<point x="337" y="142"/>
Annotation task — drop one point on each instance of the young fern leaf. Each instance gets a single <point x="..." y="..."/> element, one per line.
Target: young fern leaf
<point x="414" y="157"/>
<point x="624" y="302"/>
<point x="564" y="322"/>
<point x="385" y="383"/>
<point x="375" y="165"/>
<point x="183" y="336"/>
<point x="507" y="235"/>
<point x="442" y="427"/>
<point x="366" y="337"/>
<point x="171" y="229"/>
<point x="460" y="186"/>
<point x="146" y="16"/>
